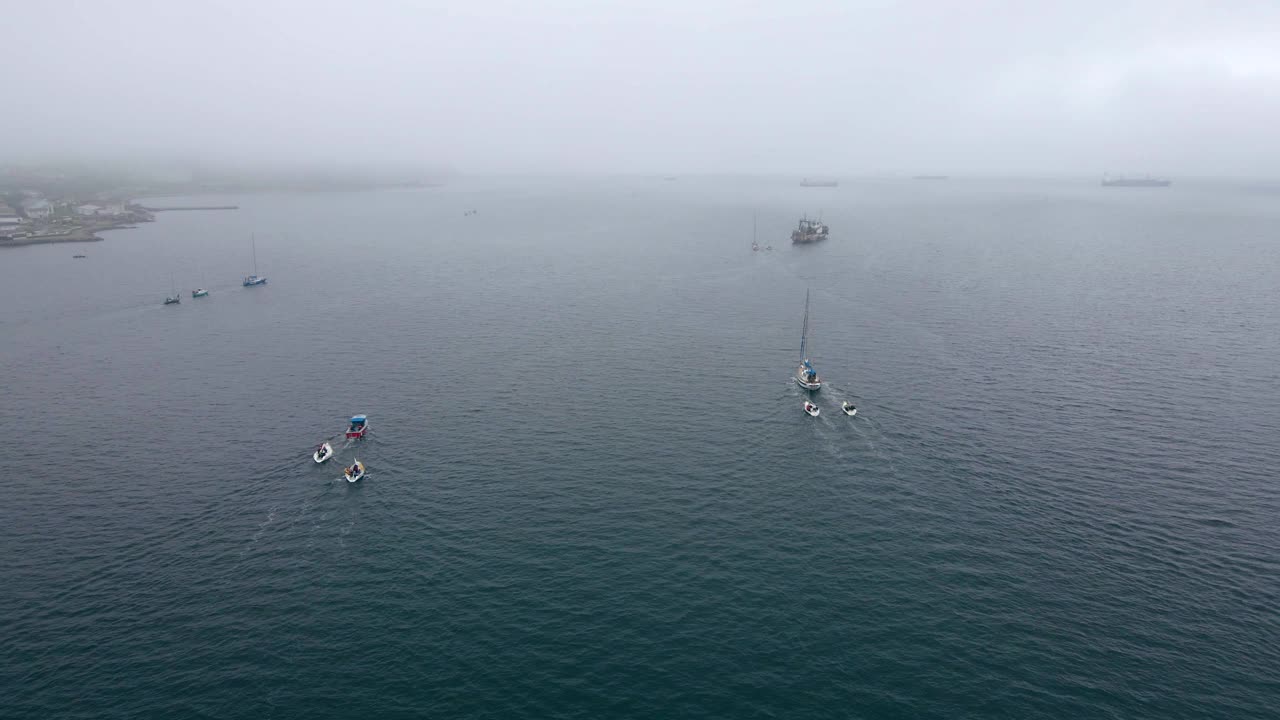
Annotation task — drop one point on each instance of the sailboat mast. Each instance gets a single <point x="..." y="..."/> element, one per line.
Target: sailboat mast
<point x="804" y="331"/>
<point x="253" y="238"/>
<point x="753" y="228"/>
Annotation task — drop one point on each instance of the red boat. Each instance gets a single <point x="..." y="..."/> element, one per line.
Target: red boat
<point x="359" y="426"/>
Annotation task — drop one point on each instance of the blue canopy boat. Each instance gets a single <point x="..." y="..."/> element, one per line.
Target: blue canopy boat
<point x="359" y="426"/>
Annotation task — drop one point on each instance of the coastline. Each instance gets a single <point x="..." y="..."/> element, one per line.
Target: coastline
<point x="80" y="235"/>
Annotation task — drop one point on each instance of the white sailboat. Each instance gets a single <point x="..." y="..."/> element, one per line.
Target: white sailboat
<point x="173" y="299"/>
<point x="806" y="376"/>
<point x="254" y="279"/>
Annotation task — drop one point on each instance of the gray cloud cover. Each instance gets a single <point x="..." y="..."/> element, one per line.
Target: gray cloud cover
<point x="654" y="86"/>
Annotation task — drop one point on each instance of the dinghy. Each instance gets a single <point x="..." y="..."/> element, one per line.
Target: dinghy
<point x="849" y="409"/>
<point x="322" y="453"/>
<point x="811" y="409"/>
<point x="355" y="472"/>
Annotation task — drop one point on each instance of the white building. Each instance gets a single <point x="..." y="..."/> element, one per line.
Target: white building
<point x="88" y="210"/>
<point x="39" y="209"/>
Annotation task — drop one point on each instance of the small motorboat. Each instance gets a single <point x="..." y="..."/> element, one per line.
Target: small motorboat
<point x="849" y="408"/>
<point x="359" y="426"/>
<point x="322" y="453"/>
<point x="811" y="409"/>
<point x="755" y="246"/>
<point x="199" y="292"/>
<point x="355" y="472"/>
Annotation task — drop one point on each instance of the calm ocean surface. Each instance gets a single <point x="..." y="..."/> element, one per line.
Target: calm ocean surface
<point x="592" y="492"/>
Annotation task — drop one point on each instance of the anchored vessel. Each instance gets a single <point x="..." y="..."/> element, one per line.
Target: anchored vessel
<point x="1145" y="181"/>
<point x="175" y="298"/>
<point x="253" y="279"/>
<point x="809" y="231"/>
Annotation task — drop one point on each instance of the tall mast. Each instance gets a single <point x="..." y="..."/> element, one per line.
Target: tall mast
<point x="753" y="227"/>
<point x="253" y="238"/>
<point x="804" y="331"/>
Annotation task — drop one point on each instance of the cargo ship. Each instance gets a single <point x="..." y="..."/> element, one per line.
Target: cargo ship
<point x="808" y="231"/>
<point x="1147" y="181"/>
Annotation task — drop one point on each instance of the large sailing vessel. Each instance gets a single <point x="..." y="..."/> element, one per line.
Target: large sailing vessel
<point x="806" y="376"/>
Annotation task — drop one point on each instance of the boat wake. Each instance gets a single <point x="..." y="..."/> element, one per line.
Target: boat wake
<point x="835" y="427"/>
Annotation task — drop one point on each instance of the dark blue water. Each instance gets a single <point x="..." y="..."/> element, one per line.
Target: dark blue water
<point x="592" y="491"/>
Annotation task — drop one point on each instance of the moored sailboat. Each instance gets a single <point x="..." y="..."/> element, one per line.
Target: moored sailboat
<point x="175" y="298"/>
<point x="254" y="279"/>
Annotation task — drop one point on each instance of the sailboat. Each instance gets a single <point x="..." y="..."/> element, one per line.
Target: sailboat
<point x="755" y="246"/>
<point x="806" y="376"/>
<point x="175" y="298"/>
<point x="254" y="279"/>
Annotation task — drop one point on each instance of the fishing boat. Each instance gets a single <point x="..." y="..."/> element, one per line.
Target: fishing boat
<point x="359" y="426"/>
<point x="809" y="231"/>
<point x="322" y="453"/>
<point x="199" y="292"/>
<point x="811" y="409"/>
<point x="806" y="376"/>
<point x="355" y="472"/>
<point x="253" y="279"/>
<point x="848" y="408"/>
<point x="175" y="298"/>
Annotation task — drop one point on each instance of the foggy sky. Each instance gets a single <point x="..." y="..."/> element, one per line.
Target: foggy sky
<point x="797" y="86"/>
